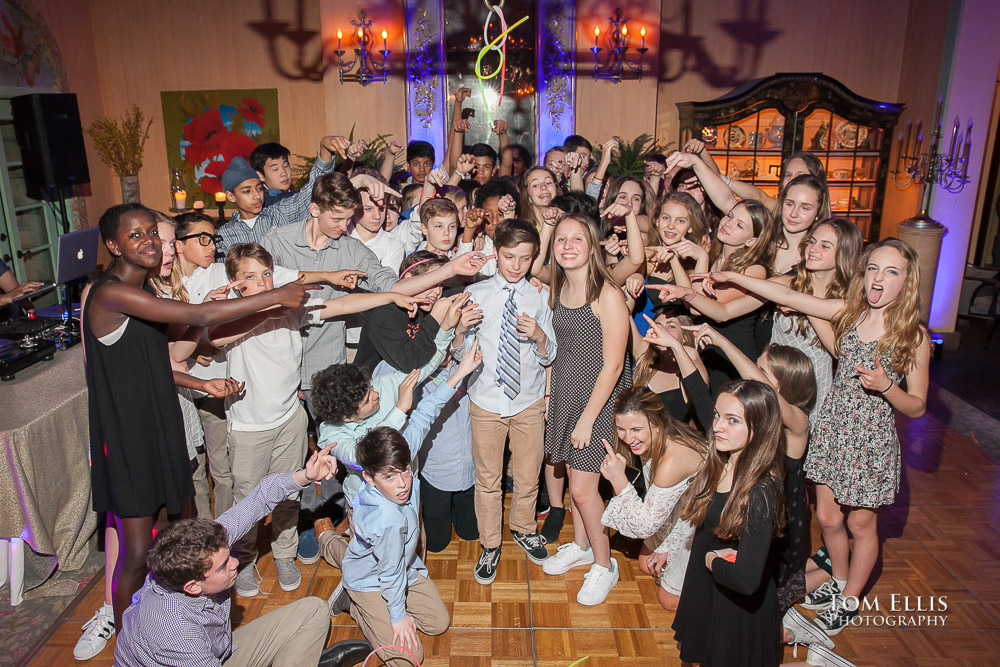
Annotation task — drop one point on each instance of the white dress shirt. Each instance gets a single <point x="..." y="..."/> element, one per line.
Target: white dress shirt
<point x="484" y="391"/>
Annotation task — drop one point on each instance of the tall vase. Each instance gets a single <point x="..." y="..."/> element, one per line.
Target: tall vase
<point x="130" y="189"/>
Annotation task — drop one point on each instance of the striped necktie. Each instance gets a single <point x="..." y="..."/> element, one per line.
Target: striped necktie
<point x="509" y="356"/>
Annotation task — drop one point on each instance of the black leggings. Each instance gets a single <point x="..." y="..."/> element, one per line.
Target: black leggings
<point x="442" y="509"/>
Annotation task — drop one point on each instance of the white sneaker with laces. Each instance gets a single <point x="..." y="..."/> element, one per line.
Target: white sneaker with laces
<point x="803" y="631"/>
<point x="567" y="557"/>
<point x="96" y="633"/>
<point x="820" y="656"/>
<point x="597" y="584"/>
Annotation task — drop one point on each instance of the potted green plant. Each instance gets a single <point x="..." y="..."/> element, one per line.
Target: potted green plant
<point x="631" y="155"/>
<point x="120" y="144"/>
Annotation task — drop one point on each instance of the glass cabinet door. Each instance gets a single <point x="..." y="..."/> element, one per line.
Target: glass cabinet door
<point x="749" y="149"/>
<point x="850" y="153"/>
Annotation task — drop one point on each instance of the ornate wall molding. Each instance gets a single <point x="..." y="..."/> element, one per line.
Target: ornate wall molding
<point x="425" y="90"/>
<point x="556" y="89"/>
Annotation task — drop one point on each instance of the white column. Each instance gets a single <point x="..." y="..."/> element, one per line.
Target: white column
<point x="975" y="59"/>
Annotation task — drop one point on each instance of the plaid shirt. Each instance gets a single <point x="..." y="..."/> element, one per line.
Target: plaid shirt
<point x="286" y="211"/>
<point x="165" y="627"/>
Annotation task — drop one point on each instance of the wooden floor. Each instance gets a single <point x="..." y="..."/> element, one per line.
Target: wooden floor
<point x="941" y="539"/>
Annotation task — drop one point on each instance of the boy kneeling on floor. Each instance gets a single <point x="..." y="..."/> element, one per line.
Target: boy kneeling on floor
<point x="180" y="616"/>
<point x="390" y="594"/>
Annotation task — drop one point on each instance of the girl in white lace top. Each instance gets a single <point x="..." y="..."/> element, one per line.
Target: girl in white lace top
<point x="671" y="453"/>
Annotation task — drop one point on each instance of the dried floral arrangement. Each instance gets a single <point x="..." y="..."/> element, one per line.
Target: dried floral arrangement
<point x="120" y="143"/>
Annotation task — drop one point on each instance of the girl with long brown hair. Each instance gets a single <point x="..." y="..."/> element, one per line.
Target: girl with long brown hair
<point x="671" y="453"/>
<point x="539" y="186"/>
<point x="728" y="611"/>
<point x="678" y="243"/>
<point x="592" y="368"/>
<point x="830" y="254"/>
<point x="743" y="244"/>
<point x="854" y="456"/>
<point x="790" y="373"/>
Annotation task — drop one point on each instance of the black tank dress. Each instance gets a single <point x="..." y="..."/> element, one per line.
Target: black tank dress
<point x="138" y="454"/>
<point x="741" y="332"/>
<point x="728" y="617"/>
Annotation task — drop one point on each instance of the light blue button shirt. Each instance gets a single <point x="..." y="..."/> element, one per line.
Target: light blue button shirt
<point x="382" y="555"/>
<point x="491" y="296"/>
<point x="446" y="451"/>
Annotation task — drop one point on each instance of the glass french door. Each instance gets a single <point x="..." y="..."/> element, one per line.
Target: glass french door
<point x="29" y="230"/>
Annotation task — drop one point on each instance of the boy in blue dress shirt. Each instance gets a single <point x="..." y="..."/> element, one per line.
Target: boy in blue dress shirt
<point x="508" y="395"/>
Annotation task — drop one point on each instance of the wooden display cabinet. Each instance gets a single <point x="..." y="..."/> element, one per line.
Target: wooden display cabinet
<point x="752" y="130"/>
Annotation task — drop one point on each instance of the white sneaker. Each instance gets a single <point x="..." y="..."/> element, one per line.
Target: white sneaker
<point x="597" y="584"/>
<point x="567" y="557"/>
<point x="96" y="633"/>
<point x="804" y="631"/>
<point x="820" y="656"/>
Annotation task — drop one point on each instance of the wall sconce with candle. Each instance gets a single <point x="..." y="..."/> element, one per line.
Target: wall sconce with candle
<point x="366" y="67"/>
<point x="616" y="65"/>
<point x="949" y="170"/>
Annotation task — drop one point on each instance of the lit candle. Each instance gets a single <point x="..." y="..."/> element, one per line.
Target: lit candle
<point x="954" y="135"/>
<point x="198" y="205"/>
<point x="624" y="30"/>
<point x="597" y="33"/>
<point x="920" y="126"/>
<point x="920" y="141"/>
<point x="642" y="33"/>
<point x="909" y="136"/>
<point x="385" y="35"/>
<point x="340" y="36"/>
<point x="938" y="118"/>
<point x="965" y="152"/>
<point x="180" y="199"/>
<point x="220" y="197"/>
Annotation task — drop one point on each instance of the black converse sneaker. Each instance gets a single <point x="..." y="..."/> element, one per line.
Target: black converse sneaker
<point x="822" y="597"/>
<point x="486" y="568"/>
<point x="838" y="616"/>
<point x="533" y="545"/>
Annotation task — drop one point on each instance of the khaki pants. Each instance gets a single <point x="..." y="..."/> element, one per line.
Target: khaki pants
<point x="289" y="636"/>
<point x="423" y="603"/>
<point x="254" y="456"/>
<point x="527" y="440"/>
<point x="213" y="421"/>
<point x="202" y="501"/>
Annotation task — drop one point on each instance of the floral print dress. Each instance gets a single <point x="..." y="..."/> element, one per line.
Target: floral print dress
<point x="854" y="448"/>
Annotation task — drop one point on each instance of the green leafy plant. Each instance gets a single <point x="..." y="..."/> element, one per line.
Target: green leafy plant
<point x="631" y="155"/>
<point x="120" y="143"/>
<point x="371" y="157"/>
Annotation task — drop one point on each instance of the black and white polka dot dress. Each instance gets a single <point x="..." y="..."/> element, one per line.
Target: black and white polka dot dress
<point x="574" y="373"/>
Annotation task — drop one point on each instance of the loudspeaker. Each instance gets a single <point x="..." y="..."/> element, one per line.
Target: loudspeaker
<point x="51" y="140"/>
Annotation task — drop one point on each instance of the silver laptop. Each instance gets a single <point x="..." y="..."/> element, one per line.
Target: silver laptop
<point x="76" y="258"/>
<point x="77" y="255"/>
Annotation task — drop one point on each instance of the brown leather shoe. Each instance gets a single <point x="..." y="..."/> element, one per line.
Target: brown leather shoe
<point x="322" y="525"/>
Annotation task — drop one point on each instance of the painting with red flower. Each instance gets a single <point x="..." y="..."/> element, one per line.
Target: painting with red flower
<point x="205" y="129"/>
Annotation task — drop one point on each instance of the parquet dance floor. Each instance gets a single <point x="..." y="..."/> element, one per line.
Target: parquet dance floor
<point x="941" y="538"/>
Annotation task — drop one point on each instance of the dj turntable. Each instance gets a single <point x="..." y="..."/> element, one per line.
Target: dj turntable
<point x="16" y="356"/>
